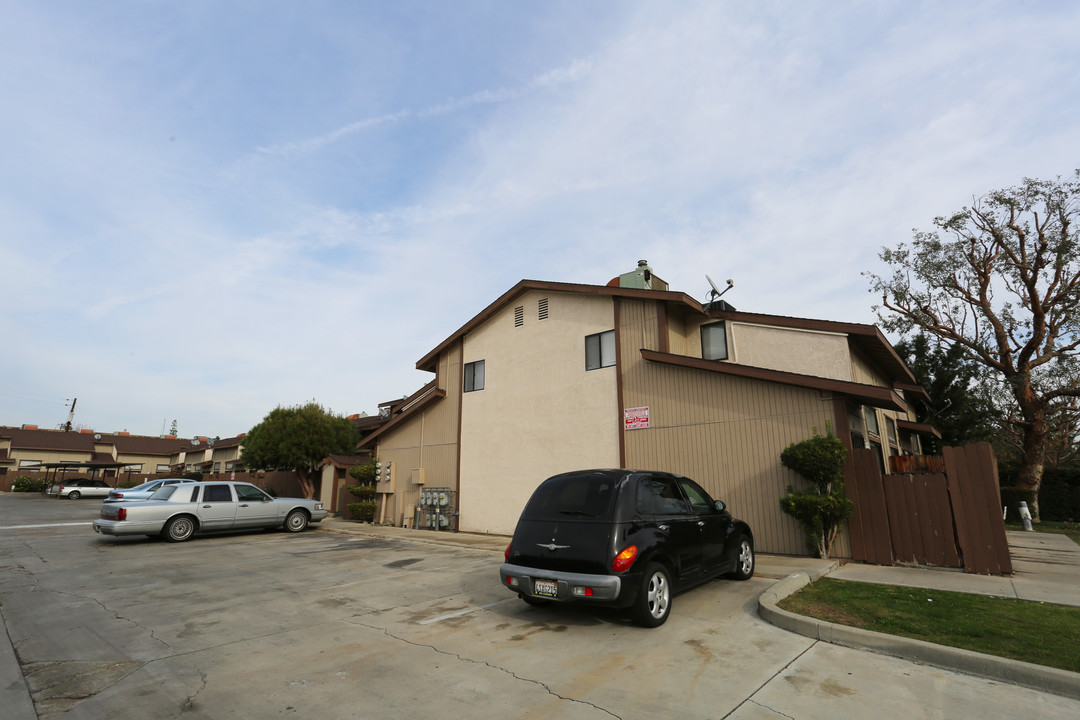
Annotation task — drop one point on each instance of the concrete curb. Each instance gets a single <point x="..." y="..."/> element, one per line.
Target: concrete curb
<point x="1015" y="672"/>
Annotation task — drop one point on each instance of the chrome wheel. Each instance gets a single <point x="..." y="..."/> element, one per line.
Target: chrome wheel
<point x="179" y="529"/>
<point x="744" y="563"/>
<point x="659" y="595"/>
<point x="74" y="495"/>
<point x="296" y="521"/>
<point x="653" y="603"/>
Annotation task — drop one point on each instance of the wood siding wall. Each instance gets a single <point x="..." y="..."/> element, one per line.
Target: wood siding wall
<point x="727" y="433"/>
<point x="428" y="441"/>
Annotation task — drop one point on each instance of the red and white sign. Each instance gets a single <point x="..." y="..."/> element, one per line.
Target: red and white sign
<point x="635" y="418"/>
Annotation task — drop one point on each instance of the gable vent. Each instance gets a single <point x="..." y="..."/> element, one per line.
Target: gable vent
<point x="519" y="316"/>
<point x="542" y="309"/>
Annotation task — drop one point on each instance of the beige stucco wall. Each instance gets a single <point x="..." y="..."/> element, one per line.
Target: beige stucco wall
<point x="807" y="352"/>
<point x="540" y="412"/>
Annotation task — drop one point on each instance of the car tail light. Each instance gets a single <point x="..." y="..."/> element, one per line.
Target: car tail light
<point x="121" y="514"/>
<point x="506" y="554"/>
<point x="116" y="495"/>
<point x="625" y="559"/>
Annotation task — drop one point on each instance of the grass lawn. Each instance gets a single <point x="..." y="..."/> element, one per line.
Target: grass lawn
<point x="1034" y="632"/>
<point x="1072" y="529"/>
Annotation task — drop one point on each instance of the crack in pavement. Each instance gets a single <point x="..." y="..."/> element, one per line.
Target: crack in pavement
<point x="772" y="710"/>
<point x="750" y="698"/>
<point x="511" y="673"/>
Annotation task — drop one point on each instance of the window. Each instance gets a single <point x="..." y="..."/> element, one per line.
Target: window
<point x="216" y="493"/>
<point x="163" y="468"/>
<point x="700" y="501"/>
<point x="217" y="467"/>
<point x="666" y="499"/>
<point x="714" y="341"/>
<point x="474" y="376"/>
<point x="250" y="492"/>
<point x="600" y="350"/>
<point x="133" y="468"/>
<point x="29" y="465"/>
<point x="871" y="421"/>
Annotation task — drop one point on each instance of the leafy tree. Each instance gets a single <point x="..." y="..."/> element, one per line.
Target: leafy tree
<point x="820" y="460"/>
<point x="1001" y="281"/>
<point x="298" y="438"/>
<point x="964" y="410"/>
<point x="173" y="429"/>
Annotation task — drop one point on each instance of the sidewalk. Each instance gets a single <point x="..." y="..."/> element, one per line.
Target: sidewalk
<point x="1046" y="568"/>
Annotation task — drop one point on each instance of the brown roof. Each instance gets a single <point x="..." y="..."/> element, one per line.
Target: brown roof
<point x="866" y="338"/>
<point x="418" y="400"/>
<point x="39" y="439"/>
<point x="428" y="361"/>
<point x="866" y="394"/>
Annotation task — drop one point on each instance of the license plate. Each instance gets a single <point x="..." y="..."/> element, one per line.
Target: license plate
<point x="546" y="588"/>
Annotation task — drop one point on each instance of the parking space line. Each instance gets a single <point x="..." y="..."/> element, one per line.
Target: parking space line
<point x="26" y="527"/>
<point x="466" y="611"/>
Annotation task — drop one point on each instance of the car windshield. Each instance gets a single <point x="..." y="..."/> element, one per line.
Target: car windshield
<point x="568" y="496"/>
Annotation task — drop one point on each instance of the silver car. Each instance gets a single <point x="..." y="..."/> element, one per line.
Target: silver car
<point x="177" y="512"/>
<point x="78" y="488"/>
<point x="142" y="492"/>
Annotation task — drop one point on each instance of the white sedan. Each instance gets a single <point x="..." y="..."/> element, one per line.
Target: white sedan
<point x="177" y="512"/>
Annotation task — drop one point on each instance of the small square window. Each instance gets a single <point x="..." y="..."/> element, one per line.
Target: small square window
<point x="714" y="341"/>
<point x="600" y="350"/>
<point x="474" y="376"/>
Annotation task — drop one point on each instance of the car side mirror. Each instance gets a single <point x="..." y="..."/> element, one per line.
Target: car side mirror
<point x="720" y="506"/>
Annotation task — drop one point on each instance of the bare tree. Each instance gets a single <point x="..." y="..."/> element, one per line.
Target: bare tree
<point x="1001" y="281"/>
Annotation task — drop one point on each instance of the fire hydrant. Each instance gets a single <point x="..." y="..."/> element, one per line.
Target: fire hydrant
<point x="1025" y="516"/>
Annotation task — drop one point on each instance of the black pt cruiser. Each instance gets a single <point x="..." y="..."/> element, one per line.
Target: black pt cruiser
<point x="623" y="538"/>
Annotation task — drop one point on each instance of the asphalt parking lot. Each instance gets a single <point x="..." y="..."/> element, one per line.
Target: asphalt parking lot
<point x="321" y="624"/>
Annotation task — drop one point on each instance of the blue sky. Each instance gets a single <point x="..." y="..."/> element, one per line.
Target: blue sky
<point x="208" y="209"/>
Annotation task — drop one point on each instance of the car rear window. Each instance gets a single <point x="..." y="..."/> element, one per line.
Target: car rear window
<point x="164" y="492"/>
<point x="567" y="496"/>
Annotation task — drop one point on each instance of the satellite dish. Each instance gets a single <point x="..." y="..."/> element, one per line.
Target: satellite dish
<point x="210" y="443"/>
<point x="194" y="442"/>
<point x="716" y="293"/>
<point x="97" y="436"/>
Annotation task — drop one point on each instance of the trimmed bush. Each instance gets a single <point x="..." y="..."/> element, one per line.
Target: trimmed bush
<point x="364" y="493"/>
<point x="362" y="511"/>
<point x="820" y="460"/>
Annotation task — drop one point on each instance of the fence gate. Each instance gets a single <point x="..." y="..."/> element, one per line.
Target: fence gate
<point x="929" y="517"/>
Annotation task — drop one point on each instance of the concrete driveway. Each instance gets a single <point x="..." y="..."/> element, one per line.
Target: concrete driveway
<point x="337" y="626"/>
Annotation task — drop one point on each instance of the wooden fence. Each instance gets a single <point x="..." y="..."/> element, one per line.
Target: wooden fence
<point x="928" y="517"/>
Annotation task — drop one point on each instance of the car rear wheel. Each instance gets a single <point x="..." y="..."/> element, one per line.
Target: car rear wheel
<point x="744" y="561"/>
<point x="296" y="521"/>
<point x="179" y="529"/>
<point x="74" y="495"/>
<point x="653" y="603"/>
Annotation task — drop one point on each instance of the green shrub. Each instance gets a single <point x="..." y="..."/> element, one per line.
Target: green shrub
<point x="363" y="474"/>
<point x="196" y="476"/>
<point x="362" y="492"/>
<point x="820" y="460"/>
<point x="362" y="511"/>
<point x="25" y="483"/>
